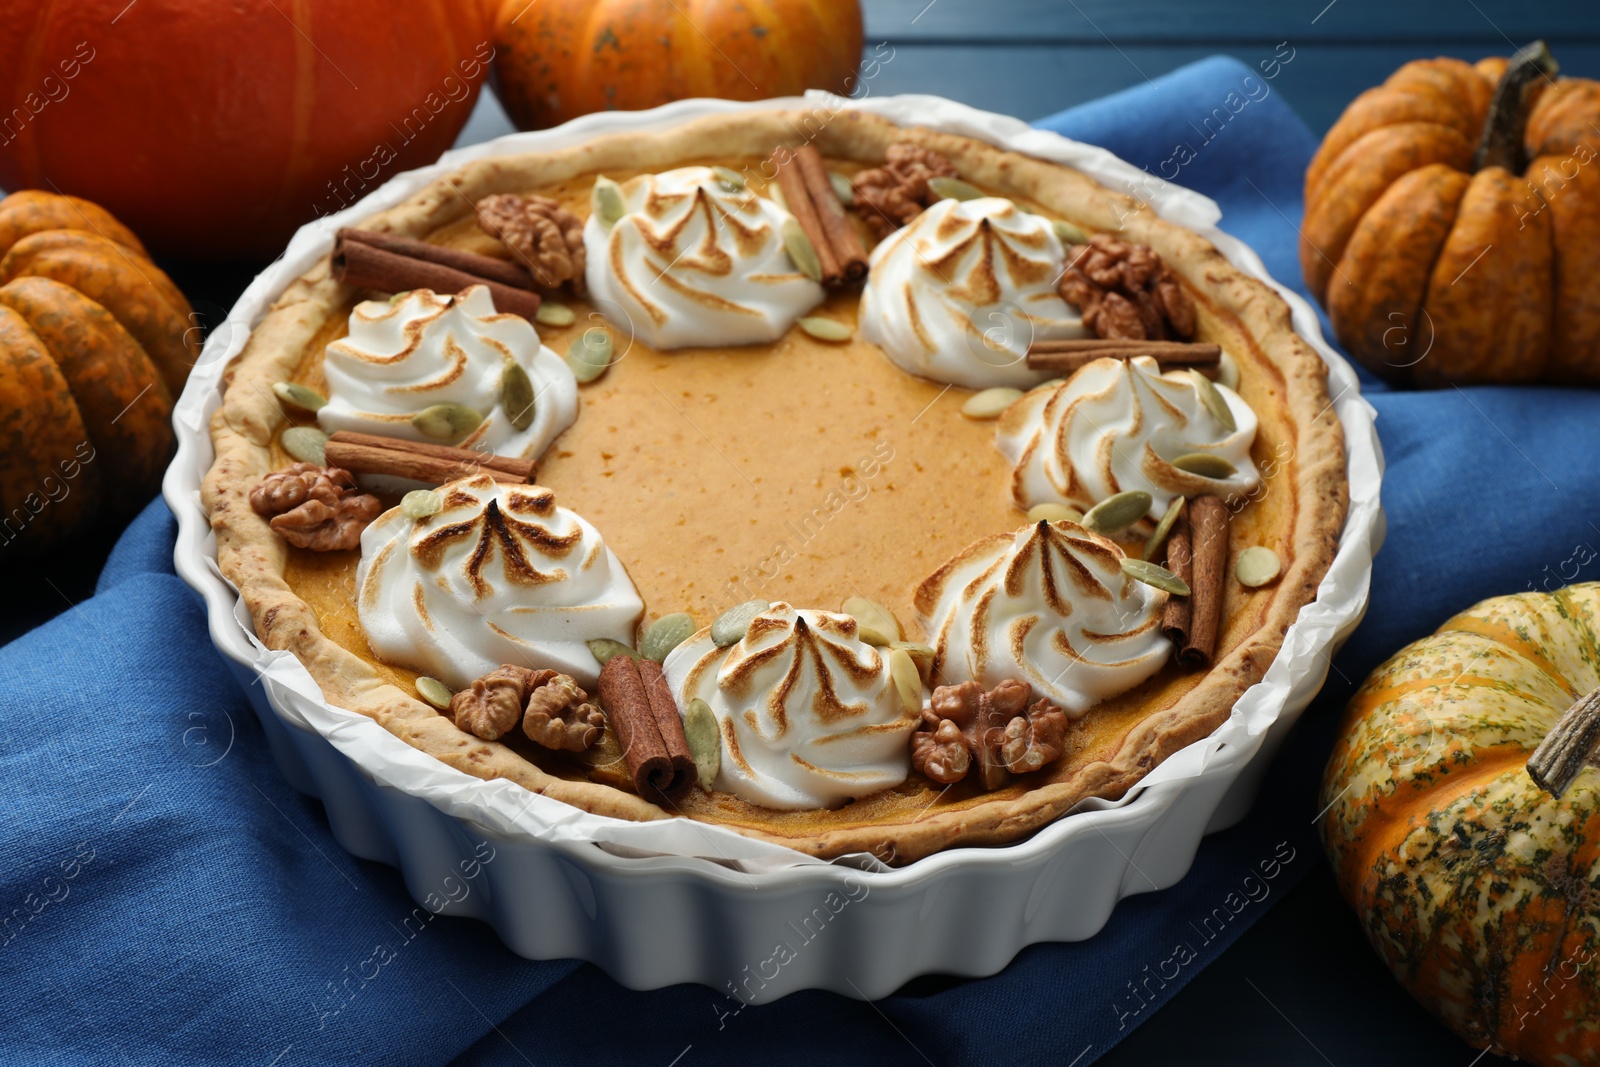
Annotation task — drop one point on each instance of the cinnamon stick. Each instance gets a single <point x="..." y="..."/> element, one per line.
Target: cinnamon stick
<point x="798" y="199"/>
<point x="1208" y="534"/>
<point x="364" y="459"/>
<point x="519" y="469"/>
<point x="1068" y="356"/>
<point x="1180" y="561"/>
<point x="839" y="232"/>
<point x="366" y="266"/>
<point x="486" y="267"/>
<point x="640" y="706"/>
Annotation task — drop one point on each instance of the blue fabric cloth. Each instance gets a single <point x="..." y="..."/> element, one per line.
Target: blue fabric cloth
<point x="165" y="897"/>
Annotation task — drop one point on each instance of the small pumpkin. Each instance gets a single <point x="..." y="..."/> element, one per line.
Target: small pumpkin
<point x="1452" y="223"/>
<point x="1463" y="822"/>
<point x="558" y="59"/>
<point x="94" y="341"/>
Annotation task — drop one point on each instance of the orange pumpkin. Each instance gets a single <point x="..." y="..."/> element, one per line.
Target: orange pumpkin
<point x="215" y="129"/>
<point x="94" y="342"/>
<point x="558" y="59"/>
<point x="1463" y="822"/>
<point x="1452" y="224"/>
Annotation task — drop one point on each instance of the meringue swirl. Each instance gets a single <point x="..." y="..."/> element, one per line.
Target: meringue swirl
<point x="696" y="262"/>
<point x="427" y="349"/>
<point x="500" y="575"/>
<point x="961" y="291"/>
<point x="1048" y="605"/>
<point x="808" y="713"/>
<point x="1116" y="425"/>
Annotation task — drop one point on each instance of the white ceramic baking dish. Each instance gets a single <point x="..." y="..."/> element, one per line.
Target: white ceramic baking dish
<point x="655" y="904"/>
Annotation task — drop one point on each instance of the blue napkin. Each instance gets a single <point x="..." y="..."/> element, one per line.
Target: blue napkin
<point x="165" y="897"/>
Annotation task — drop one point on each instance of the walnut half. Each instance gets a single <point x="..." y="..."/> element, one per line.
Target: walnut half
<point x="544" y="237"/>
<point x="555" y="712"/>
<point x="1126" y="291"/>
<point x="315" y="507"/>
<point x="976" y="720"/>
<point x="890" y="196"/>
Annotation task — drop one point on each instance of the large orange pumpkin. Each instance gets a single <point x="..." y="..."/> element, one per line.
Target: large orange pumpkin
<point x="1452" y="223"/>
<point x="215" y="129"/>
<point x="1463" y="822"/>
<point x="558" y="59"/>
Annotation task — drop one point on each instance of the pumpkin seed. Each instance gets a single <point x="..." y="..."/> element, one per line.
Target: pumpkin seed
<point x="589" y="355"/>
<point x="875" y="624"/>
<point x="553" y="314"/>
<point x="824" y="329"/>
<point x="907" y="679"/>
<point x="300" y="396"/>
<point x="306" y="444"/>
<point x="921" y="655"/>
<point x="1049" y="383"/>
<point x="395" y="298"/>
<point x="1212" y="399"/>
<point x="775" y="194"/>
<point x="1228" y="372"/>
<point x="608" y="201"/>
<point x="446" y="422"/>
<point x="1117" y="513"/>
<point x="989" y="403"/>
<point x="705" y="741"/>
<point x="1054" y="513"/>
<point x="842" y="188"/>
<point x="953" y="189"/>
<point x="1163" y="528"/>
<point x="731" y="179"/>
<point x="1142" y="570"/>
<point x="516" y="395"/>
<point x="666" y="634"/>
<point x="421" y="503"/>
<point x="1069" y="233"/>
<point x="1256" y="566"/>
<point x="801" y="250"/>
<point x="1206" y="465"/>
<point x="731" y="625"/>
<point x="605" y="650"/>
<point x="434" y="692"/>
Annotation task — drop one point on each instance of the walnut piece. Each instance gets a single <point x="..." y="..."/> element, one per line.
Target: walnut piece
<point x="1126" y="291"/>
<point x="1033" y="740"/>
<point x="544" y="236"/>
<point x="560" y="715"/>
<point x="972" y="718"/>
<point x="490" y="707"/>
<point x="890" y="196"/>
<point x="315" y="507"/>
<point x="940" y="751"/>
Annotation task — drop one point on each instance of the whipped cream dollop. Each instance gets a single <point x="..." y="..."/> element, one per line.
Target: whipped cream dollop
<point x="1116" y="425"/>
<point x="808" y="713"/>
<point x="425" y="349"/>
<point x="500" y="575"/>
<point x="960" y="292"/>
<point x="695" y="261"/>
<point x="1048" y="605"/>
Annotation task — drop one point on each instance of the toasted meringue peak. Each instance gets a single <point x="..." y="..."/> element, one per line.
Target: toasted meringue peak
<point x="425" y="349"/>
<point x="694" y="261"/>
<point x="1116" y="425"/>
<point x="960" y="293"/>
<point x="1048" y="605"/>
<point x="808" y="713"/>
<point x="500" y="575"/>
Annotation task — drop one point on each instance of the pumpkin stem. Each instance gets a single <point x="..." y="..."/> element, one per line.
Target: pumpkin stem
<point x="1502" y="141"/>
<point x="1567" y="747"/>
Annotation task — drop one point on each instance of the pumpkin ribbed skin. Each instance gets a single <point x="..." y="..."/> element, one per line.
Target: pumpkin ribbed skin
<point x="1433" y="274"/>
<point x="1479" y="890"/>
<point x="558" y="59"/>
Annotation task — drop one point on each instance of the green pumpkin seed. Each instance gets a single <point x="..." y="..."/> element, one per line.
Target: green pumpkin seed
<point x="921" y="655"/>
<point x="1228" y="372"/>
<point x="421" y="503"/>
<point x="730" y="179"/>
<point x="1256" y="567"/>
<point x="395" y="298"/>
<point x="731" y="625"/>
<point x="875" y="624"/>
<point x="1049" y="383"/>
<point x="824" y="329"/>
<point x="666" y="634"/>
<point x="1069" y="233"/>
<point x="553" y="314"/>
<point x="300" y="396"/>
<point x="801" y="250"/>
<point x="1054" y="513"/>
<point x="1212" y="399"/>
<point x="907" y="679"/>
<point x="989" y="403"/>
<point x="608" y="201"/>
<point x="516" y="395"/>
<point x="605" y="650"/>
<point x="1206" y="465"/>
<point x="705" y="741"/>
<point x="953" y="189"/>
<point x="434" y="692"/>
<point x="306" y="444"/>
<point x="589" y="355"/>
<point x="842" y="188"/>
<point x="1116" y="513"/>
<point x="775" y="194"/>
<point x="1142" y="570"/>
<point x="1163" y="528"/>
<point x="446" y="422"/>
